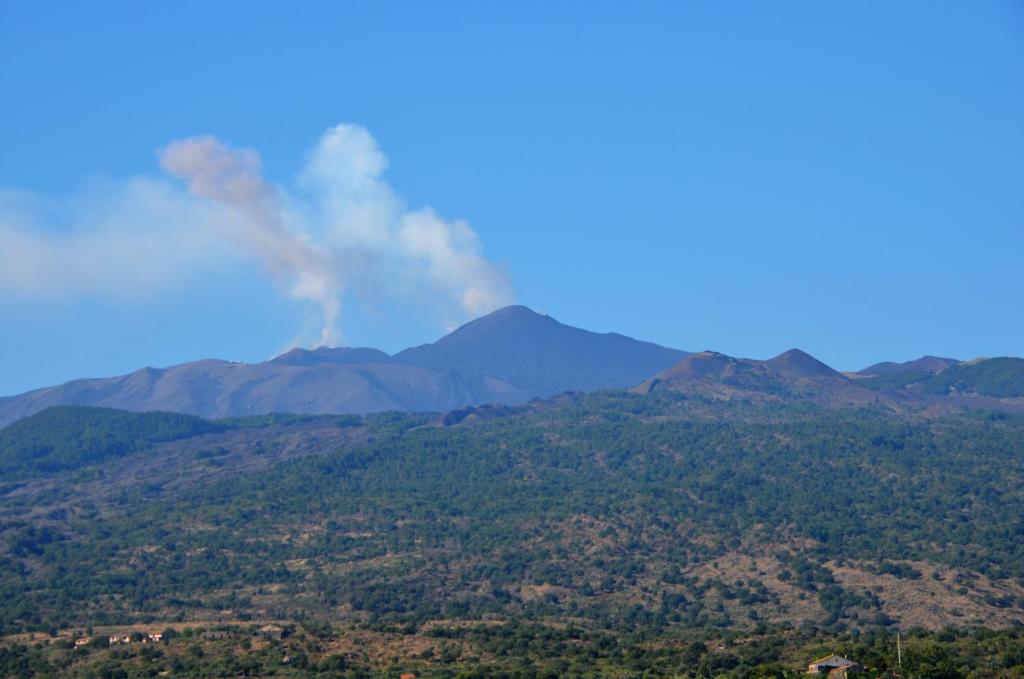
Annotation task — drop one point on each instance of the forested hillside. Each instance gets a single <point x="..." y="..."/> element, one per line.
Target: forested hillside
<point x="631" y="518"/>
<point x="995" y="377"/>
<point x="65" y="437"/>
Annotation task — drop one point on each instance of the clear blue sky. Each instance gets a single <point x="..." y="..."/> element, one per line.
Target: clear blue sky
<point x="747" y="177"/>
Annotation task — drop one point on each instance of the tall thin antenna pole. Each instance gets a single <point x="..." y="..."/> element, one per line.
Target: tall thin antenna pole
<point x="899" y="651"/>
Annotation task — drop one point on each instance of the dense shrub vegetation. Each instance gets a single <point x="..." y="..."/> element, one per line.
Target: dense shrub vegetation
<point x="995" y="377"/>
<point x="63" y="438"/>
<point x="599" y="518"/>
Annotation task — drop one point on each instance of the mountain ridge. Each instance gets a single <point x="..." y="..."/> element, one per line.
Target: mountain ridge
<point x="509" y="356"/>
<point x="926" y="363"/>
<point x="795" y="375"/>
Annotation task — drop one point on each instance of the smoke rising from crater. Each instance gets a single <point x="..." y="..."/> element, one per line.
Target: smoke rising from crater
<point x="341" y="229"/>
<point x="232" y="178"/>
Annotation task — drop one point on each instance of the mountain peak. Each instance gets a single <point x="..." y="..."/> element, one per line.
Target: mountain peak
<point x="514" y="311"/>
<point x="797" y="363"/>
<point x="521" y="347"/>
<point x="516" y="315"/>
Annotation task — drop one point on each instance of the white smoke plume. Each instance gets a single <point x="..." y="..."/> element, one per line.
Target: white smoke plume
<point x="232" y="178"/>
<point x="342" y="229"/>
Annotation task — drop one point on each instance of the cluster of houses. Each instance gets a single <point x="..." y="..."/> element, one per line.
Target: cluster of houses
<point x="127" y="639"/>
<point x="124" y="639"/>
<point x="833" y="666"/>
<point x="268" y="632"/>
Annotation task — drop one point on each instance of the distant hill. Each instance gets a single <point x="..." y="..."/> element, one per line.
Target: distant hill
<point x="509" y="356"/>
<point x="793" y="364"/>
<point x="1000" y="378"/>
<point x="706" y="365"/>
<point x="929" y="381"/>
<point x="67" y="437"/>
<point x="928" y="364"/>
<point x="793" y="374"/>
<point x="995" y="377"/>
<point x="212" y="388"/>
<point x="797" y="364"/>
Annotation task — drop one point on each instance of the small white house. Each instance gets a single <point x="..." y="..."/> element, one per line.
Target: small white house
<point x="834" y="666"/>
